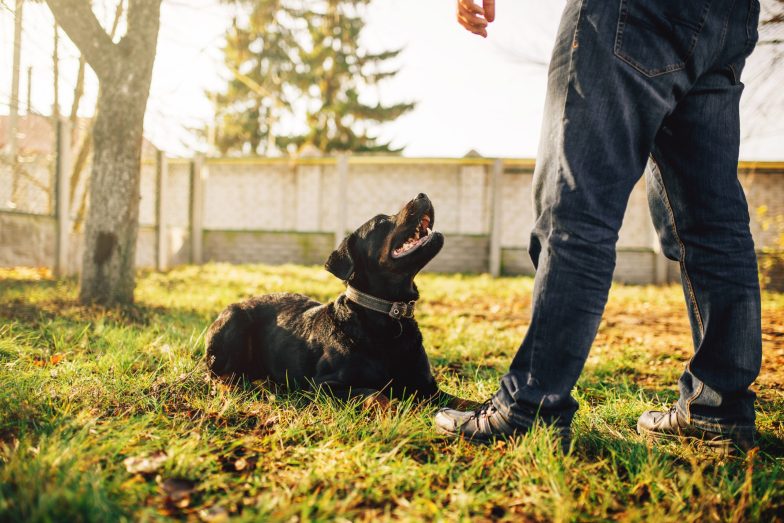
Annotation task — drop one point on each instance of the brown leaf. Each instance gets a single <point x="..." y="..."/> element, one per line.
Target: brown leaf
<point x="378" y="402"/>
<point x="145" y="464"/>
<point x="267" y="426"/>
<point x="178" y="491"/>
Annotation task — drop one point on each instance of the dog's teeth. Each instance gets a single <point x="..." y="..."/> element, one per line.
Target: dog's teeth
<point x="429" y="231"/>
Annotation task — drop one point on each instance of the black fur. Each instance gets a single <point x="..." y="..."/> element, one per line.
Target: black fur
<point x="353" y="351"/>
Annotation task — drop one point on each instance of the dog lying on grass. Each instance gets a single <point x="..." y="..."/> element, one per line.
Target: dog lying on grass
<point x="365" y="344"/>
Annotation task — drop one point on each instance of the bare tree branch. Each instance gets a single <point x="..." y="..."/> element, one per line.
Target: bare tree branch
<point x="77" y="19"/>
<point x="143" y="22"/>
<point x="87" y="142"/>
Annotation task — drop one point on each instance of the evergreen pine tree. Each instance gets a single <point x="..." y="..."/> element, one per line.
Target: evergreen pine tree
<point x="339" y="71"/>
<point x="262" y="59"/>
<point x="301" y="62"/>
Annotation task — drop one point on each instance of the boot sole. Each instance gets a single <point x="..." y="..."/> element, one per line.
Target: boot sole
<point x="484" y="440"/>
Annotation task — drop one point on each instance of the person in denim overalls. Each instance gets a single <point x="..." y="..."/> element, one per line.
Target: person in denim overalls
<point x="634" y="83"/>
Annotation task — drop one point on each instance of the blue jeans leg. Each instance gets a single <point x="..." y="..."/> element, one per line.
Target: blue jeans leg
<point x="702" y="217"/>
<point x="614" y="84"/>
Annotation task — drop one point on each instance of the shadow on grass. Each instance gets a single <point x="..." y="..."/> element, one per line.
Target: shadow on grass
<point x="465" y="370"/>
<point x="594" y="445"/>
<point x="70" y="310"/>
<point x="39" y="283"/>
<point x="769" y="443"/>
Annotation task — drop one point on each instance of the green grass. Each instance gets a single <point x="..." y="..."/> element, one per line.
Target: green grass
<point x="84" y="388"/>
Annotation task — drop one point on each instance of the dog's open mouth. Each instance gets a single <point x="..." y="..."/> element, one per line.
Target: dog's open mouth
<point x="422" y="234"/>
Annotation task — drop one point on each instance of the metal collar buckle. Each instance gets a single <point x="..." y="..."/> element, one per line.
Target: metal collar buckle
<point x="401" y="309"/>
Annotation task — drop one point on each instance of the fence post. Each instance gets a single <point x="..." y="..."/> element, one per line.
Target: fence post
<point x="162" y="244"/>
<point x="342" y="203"/>
<point x="197" y="208"/>
<point x="472" y="198"/>
<point x="497" y="218"/>
<point x="62" y="211"/>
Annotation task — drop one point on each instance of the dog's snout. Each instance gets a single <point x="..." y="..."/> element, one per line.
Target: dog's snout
<point x="421" y="196"/>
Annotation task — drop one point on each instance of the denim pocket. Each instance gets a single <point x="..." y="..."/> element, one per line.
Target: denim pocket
<point x="658" y="37"/>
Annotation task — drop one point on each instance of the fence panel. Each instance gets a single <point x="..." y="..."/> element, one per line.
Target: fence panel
<point x="28" y="185"/>
<point x="276" y="210"/>
<point x="380" y="188"/>
<point x="246" y="196"/>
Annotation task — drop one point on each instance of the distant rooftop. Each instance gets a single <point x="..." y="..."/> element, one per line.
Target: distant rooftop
<point x="36" y="135"/>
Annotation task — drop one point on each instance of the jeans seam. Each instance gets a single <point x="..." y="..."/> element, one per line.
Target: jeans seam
<point x="687" y="279"/>
<point x="748" y="23"/>
<point x="692" y="398"/>
<point x="682" y="248"/>
<point x="723" y="38"/>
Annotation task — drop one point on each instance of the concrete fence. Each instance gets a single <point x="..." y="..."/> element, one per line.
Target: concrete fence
<point x="284" y="210"/>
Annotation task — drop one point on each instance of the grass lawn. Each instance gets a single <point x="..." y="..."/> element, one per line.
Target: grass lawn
<point x="83" y="389"/>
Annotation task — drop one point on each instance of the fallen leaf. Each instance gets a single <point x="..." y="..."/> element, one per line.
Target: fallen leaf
<point x="266" y="426"/>
<point x="214" y="514"/>
<point x="145" y="464"/>
<point x="178" y="491"/>
<point x="51" y="360"/>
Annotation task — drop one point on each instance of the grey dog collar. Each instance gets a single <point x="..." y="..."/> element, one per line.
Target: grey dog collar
<point x="394" y="309"/>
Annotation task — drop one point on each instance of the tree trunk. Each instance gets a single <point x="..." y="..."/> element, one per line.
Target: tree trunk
<point x="113" y="215"/>
<point x="85" y="147"/>
<point x="124" y="73"/>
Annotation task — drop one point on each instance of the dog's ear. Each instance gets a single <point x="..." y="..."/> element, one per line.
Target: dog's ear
<point x="340" y="262"/>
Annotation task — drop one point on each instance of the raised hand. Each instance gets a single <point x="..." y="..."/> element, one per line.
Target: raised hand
<point x="475" y="18"/>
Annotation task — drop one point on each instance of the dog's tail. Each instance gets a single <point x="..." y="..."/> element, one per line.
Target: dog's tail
<point x="229" y="343"/>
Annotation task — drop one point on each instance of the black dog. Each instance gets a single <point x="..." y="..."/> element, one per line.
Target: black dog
<point x="364" y="342"/>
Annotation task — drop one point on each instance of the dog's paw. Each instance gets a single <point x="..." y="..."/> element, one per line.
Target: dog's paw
<point x="377" y="402"/>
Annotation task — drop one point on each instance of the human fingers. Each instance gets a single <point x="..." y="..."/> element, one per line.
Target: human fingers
<point x="469" y="16"/>
<point x="470" y="6"/>
<point x="476" y="28"/>
<point x="489" y="10"/>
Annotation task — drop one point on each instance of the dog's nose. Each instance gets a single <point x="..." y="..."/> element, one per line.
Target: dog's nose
<point x="421" y="196"/>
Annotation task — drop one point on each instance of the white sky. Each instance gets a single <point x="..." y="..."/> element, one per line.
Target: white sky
<point x="472" y="93"/>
